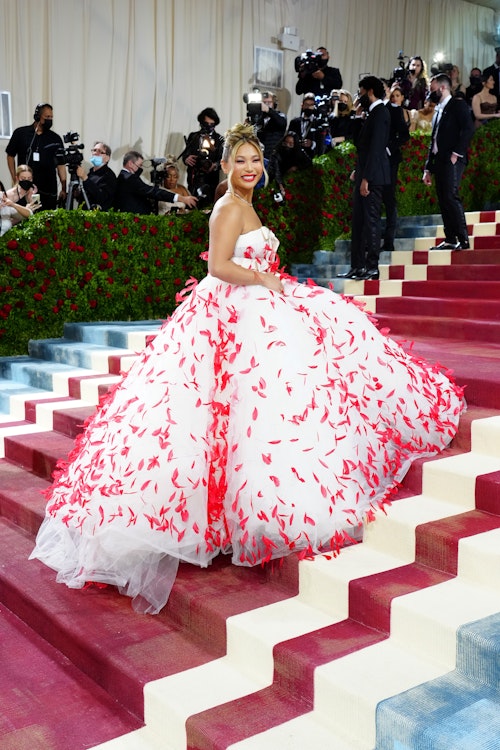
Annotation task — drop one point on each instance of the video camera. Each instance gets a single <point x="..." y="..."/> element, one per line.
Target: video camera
<point x="309" y="62"/>
<point x="400" y="72"/>
<point x="441" y="67"/>
<point x="157" y="175"/>
<point x="71" y="155"/>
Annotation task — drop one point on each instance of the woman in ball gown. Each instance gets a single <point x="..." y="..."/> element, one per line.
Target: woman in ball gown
<point x="266" y="417"/>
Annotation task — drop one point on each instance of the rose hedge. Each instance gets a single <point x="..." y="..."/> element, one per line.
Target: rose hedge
<point x="89" y="266"/>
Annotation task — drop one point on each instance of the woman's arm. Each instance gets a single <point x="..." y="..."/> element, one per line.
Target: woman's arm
<point x="24" y="211"/>
<point x="226" y="225"/>
<point x="476" y="109"/>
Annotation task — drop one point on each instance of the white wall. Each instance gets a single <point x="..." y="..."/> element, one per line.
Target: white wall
<point x="135" y="73"/>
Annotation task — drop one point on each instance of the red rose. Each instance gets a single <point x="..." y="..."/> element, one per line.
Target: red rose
<point x="38" y="296"/>
<point x="12" y="244"/>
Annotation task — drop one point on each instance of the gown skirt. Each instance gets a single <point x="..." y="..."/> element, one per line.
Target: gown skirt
<point x="255" y="424"/>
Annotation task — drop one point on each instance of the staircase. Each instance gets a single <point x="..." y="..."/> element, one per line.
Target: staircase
<point x="393" y="644"/>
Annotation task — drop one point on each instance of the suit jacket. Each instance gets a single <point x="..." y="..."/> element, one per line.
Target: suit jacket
<point x="454" y="133"/>
<point x="135" y="195"/>
<point x="371" y="144"/>
<point x="399" y="132"/>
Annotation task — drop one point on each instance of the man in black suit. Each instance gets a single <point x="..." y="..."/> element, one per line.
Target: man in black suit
<point x="452" y="131"/>
<point x="135" y="195"/>
<point x="371" y="174"/>
<point x="399" y="135"/>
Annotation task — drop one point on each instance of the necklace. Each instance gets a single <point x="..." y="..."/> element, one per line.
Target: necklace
<point x="237" y="195"/>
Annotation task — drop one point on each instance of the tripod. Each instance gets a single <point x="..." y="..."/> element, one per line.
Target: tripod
<point x="76" y="190"/>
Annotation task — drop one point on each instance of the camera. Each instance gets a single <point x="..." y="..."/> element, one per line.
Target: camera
<point x="253" y="100"/>
<point x="71" y="155"/>
<point x="400" y="72"/>
<point x="441" y="67"/>
<point x="309" y="62"/>
<point x="322" y="111"/>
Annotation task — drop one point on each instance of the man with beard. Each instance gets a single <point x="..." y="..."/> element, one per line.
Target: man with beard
<point x="36" y="145"/>
<point x="452" y="131"/>
<point x="320" y="81"/>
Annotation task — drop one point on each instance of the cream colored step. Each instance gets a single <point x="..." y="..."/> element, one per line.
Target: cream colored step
<point x="323" y="599"/>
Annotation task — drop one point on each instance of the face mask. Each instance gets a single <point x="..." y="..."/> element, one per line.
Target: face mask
<point x="307" y="113"/>
<point x="96" y="161"/>
<point x="474" y="80"/>
<point x="364" y="101"/>
<point x="25" y="184"/>
<point x="342" y="107"/>
<point x="435" y="96"/>
<point x="139" y="171"/>
<point x="47" y="124"/>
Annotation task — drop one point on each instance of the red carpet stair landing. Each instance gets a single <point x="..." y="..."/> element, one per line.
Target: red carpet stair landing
<point x="284" y="658"/>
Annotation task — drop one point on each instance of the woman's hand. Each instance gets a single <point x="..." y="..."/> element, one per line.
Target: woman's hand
<point x="269" y="280"/>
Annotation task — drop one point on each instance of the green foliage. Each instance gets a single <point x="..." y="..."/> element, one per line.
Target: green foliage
<point x="88" y="266"/>
<point x="72" y="265"/>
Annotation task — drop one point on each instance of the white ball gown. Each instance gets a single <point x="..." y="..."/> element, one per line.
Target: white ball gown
<point x="256" y="424"/>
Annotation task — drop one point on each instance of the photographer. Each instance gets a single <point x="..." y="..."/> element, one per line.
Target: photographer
<point x="135" y="195"/>
<point x="202" y="157"/>
<point x="36" y="145"/>
<point x="304" y="126"/>
<point x="288" y="156"/>
<point x="415" y="86"/>
<point x="100" y="182"/>
<point x="315" y="75"/>
<point x="271" y="124"/>
<point x="341" y="120"/>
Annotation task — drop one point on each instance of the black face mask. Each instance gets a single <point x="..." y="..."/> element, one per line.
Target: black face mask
<point x="25" y="184"/>
<point x="342" y="107"/>
<point x="364" y="101"/>
<point x="435" y="96"/>
<point x="47" y="124"/>
<point x="475" y="80"/>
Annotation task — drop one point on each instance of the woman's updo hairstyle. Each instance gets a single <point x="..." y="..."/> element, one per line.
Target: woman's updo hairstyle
<point x="234" y="139"/>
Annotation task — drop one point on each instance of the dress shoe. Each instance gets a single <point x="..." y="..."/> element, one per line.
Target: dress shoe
<point x="449" y="246"/>
<point x="370" y="274"/>
<point x="351" y="273"/>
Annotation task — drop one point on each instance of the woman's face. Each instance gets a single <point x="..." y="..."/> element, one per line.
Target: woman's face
<point x="246" y="167"/>
<point x="25" y="175"/>
<point x="171" y="179"/>
<point x="397" y="97"/>
<point x="489" y="83"/>
<point x="415" y="66"/>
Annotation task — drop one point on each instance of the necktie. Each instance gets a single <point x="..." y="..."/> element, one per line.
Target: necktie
<point x="435" y="128"/>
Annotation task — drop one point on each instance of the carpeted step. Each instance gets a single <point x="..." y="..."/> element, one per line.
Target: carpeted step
<point x="470" y="308"/>
<point x="55" y="706"/>
<point x="489" y="290"/>
<point x="460" y="709"/>
<point x="38" y="452"/>
<point x="440" y="327"/>
<point x="98" y="630"/>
